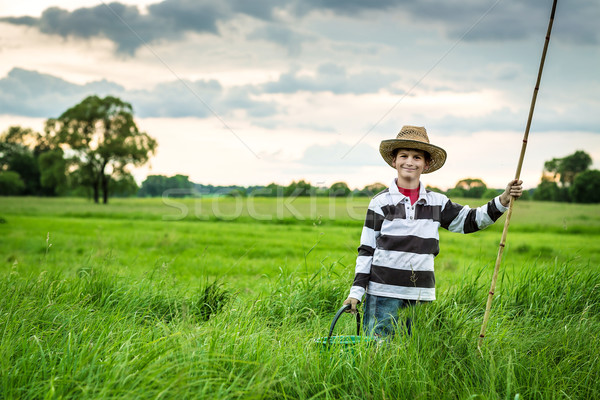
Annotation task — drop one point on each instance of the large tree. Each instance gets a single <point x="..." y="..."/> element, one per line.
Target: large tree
<point x="567" y="168"/>
<point x="101" y="139"/>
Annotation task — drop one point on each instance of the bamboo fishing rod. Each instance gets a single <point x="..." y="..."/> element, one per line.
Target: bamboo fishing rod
<point x="502" y="244"/>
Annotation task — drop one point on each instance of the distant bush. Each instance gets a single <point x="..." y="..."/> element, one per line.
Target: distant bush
<point x="491" y="193"/>
<point x="11" y="183"/>
<point x="586" y="187"/>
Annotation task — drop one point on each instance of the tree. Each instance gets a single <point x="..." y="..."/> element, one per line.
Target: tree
<point x="546" y="191"/>
<point x="157" y="185"/>
<point x="586" y="187"/>
<point x="11" y="183"/>
<point x="339" y="189"/>
<point x="153" y="186"/>
<point x="20" y="159"/>
<point x="567" y="168"/>
<point x="40" y="166"/>
<point x="372" y="189"/>
<point x="273" y="189"/>
<point x="53" y="167"/>
<point x="472" y="187"/>
<point x="456" y="192"/>
<point x="491" y="193"/>
<point x="434" y="189"/>
<point x="123" y="186"/>
<point x="181" y="182"/>
<point x="300" y="188"/>
<point x="26" y="137"/>
<point x="103" y="139"/>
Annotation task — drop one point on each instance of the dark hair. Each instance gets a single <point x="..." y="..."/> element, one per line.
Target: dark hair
<point x="427" y="155"/>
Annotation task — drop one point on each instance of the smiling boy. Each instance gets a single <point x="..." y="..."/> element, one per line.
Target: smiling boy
<point x="400" y="238"/>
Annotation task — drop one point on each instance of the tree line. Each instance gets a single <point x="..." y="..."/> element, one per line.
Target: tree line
<point x="88" y="150"/>
<point x="181" y="186"/>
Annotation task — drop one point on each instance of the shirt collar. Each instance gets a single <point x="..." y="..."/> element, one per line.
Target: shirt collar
<point x="397" y="197"/>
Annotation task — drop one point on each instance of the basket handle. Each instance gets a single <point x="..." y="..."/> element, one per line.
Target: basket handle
<point x="338" y="315"/>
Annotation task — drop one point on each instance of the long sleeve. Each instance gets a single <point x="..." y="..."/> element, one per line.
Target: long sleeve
<point x="463" y="219"/>
<point x="368" y="242"/>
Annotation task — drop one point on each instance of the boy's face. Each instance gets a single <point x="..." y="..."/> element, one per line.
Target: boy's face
<point x="410" y="164"/>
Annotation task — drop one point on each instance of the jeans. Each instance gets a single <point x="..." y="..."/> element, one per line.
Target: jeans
<point x="381" y="315"/>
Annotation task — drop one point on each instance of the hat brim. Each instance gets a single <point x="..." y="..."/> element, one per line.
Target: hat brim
<point x="438" y="155"/>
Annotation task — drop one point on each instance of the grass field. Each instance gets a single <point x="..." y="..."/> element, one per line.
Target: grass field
<point x="221" y="298"/>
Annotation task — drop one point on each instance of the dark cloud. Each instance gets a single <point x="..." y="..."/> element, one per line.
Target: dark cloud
<point x="126" y="26"/>
<point x="476" y="20"/>
<point x="245" y="98"/>
<point x="472" y="20"/>
<point x="346" y="7"/>
<point x="263" y="9"/>
<point x="186" y="15"/>
<point x="177" y="99"/>
<point x="129" y="28"/>
<point x="510" y="20"/>
<point x="199" y="99"/>
<point x="34" y="94"/>
<point x="547" y="118"/>
<point x="281" y="35"/>
<point x="333" y="78"/>
<point x="30" y="93"/>
<point x="28" y="21"/>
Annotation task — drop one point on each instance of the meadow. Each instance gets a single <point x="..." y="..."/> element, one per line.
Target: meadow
<point x="222" y="298"/>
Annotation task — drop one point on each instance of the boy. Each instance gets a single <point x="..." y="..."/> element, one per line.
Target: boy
<point x="400" y="236"/>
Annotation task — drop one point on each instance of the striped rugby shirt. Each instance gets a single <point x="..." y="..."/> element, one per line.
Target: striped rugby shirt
<point x="399" y="241"/>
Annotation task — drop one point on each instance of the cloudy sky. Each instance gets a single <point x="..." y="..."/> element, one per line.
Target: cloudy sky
<point x="253" y="92"/>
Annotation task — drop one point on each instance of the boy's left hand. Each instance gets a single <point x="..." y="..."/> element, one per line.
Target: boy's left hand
<point x="513" y="189"/>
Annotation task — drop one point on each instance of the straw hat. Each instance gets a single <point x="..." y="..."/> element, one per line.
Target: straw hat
<point x="413" y="137"/>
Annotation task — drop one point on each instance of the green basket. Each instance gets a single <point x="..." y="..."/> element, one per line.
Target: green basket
<point x="343" y="341"/>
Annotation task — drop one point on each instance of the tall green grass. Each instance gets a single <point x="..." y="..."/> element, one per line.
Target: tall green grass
<point x="100" y="336"/>
<point x="118" y="302"/>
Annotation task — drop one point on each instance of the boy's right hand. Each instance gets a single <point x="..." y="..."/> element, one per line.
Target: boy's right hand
<point x="353" y="302"/>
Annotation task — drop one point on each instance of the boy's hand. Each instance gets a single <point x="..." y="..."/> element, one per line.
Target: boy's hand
<point x="513" y="189"/>
<point x="353" y="302"/>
